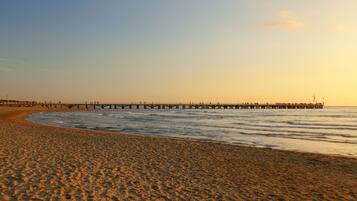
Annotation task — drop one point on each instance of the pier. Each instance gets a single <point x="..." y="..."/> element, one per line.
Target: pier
<point x="161" y="106"/>
<point x="207" y="106"/>
<point x="17" y="103"/>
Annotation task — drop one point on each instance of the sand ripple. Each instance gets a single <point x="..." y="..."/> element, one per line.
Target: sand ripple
<point x="44" y="163"/>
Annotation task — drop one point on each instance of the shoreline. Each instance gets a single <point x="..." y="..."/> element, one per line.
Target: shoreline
<point x="23" y="119"/>
<point x="119" y="165"/>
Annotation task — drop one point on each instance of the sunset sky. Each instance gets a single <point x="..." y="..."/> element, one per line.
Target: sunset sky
<point x="179" y="51"/>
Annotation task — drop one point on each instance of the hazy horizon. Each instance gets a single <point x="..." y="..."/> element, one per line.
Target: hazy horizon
<point x="179" y="51"/>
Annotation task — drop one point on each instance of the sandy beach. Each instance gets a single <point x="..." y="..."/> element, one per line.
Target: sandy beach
<point x="49" y="163"/>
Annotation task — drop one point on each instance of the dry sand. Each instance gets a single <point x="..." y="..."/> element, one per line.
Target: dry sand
<point x="49" y="163"/>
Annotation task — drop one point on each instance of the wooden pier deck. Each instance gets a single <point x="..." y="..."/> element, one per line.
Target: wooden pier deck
<point x="166" y="106"/>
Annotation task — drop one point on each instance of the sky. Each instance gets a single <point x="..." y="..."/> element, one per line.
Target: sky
<point x="179" y="51"/>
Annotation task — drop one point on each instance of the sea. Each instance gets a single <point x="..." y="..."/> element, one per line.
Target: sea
<point x="332" y="130"/>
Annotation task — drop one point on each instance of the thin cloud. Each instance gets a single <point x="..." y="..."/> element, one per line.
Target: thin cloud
<point x="341" y="28"/>
<point x="9" y="65"/>
<point x="284" y="13"/>
<point x="285" y="22"/>
<point x="5" y="69"/>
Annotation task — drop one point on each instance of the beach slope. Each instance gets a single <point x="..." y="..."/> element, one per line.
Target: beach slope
<point x="43" y="162"/>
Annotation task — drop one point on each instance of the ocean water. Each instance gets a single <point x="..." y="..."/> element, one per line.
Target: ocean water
<point x="332" y="130"/>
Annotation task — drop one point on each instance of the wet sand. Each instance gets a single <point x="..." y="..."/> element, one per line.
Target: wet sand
<point x="43" y="162"/>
